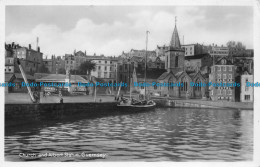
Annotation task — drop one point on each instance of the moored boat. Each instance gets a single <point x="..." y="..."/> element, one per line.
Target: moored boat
<point x="134" y="104"/>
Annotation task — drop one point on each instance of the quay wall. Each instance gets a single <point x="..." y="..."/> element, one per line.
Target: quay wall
<point x="16" y="114"/>
<point x="184" y="103"/>
<point x="181" y="104"/>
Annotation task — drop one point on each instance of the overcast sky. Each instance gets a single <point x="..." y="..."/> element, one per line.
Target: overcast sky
<point x="109" y="30"/>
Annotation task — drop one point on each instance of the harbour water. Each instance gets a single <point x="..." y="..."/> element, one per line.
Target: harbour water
<point x="168" y="134"/>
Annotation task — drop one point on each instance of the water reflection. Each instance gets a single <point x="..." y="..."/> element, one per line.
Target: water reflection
<point x="161" y="135"/>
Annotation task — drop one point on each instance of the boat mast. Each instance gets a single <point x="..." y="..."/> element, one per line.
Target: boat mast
<point x="145" y="64"/>
<point x="25" y="80"/>
<point x="130" y="88"/>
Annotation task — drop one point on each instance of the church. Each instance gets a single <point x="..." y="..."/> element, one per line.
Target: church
<point x="174" y="64"/>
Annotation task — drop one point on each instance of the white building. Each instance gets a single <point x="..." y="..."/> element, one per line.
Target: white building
<point x="192" y="49"/>
<point x="246" y="92"/>
<point x="219" y="51"/>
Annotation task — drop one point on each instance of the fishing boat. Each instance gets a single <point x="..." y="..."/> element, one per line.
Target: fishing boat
<point x="135" y="104"/>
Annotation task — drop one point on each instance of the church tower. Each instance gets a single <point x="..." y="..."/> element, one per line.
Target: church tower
<point x="174" y="60"/>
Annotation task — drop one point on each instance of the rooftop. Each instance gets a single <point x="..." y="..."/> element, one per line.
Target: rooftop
<point x="61" y="78"/>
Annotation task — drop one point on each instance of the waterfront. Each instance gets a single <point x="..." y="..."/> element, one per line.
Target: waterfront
<point x="171" y="134"/>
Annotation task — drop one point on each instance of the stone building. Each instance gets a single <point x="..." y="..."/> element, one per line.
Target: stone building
<point x="136" y="59"/>
<point x="70" y="62"/>
<point x="193" y="49"/>
<point x="197" y="62"/>
<point x="223" y="72"/>
<point x="176" y="76"/>
<point x="246" y="91"/>
<point x="218" y="52"/>
<point x="54" y="64"/>
<point x="31" y="60"/>
<point x="106" y="68"/>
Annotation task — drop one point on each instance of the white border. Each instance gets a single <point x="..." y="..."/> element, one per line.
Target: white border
<point x="255" y="3"/>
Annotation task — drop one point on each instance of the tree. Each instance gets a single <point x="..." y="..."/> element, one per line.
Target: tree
<point x="86" y="67"/>
<point x="233" y="44"/>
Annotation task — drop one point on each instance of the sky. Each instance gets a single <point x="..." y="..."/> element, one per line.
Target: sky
<point x="110" y="30"/>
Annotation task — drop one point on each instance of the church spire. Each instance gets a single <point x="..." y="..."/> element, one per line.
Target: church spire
<point x="175" y="41"/>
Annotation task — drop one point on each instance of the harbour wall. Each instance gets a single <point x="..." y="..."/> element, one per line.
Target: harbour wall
<point x="198" y="103"/>
<point x="17" y="114"/>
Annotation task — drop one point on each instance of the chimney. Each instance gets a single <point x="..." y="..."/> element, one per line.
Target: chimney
<point x="85" y="53"/>
<point x="12" y="44"/>
<point x="38" y="49"/>
<point x="30" y="47"/>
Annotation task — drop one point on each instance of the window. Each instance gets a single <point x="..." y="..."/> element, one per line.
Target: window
<point x="110" y="68"/>
<point x="99" y="67"/>
<point x="229" y="92"/>
<point x="176" y="61"/>
<point x="155" y="87"/>
<point x="246" y="88"/>
<point x="99" y="61"/>
<point x="224" y="76"/>
<point x="110" y="62"/>
<point x="105" y="68"/>
<point x="219" y="76"/>
<point x="224" y="68"/>
<point x="105" y="62"/>
<point x="219" y="91"/>
<point x="105" y="74"/>
<point x="230" y="68"/>
<point x="229" y="76"/>
<point x="219" y="68"/>
<point x="247" y="97"/>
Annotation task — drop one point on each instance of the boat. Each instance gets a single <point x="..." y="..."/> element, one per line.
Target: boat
<point x="134" y="104"/>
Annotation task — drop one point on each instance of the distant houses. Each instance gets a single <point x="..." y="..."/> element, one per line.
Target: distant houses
<point x="190" y="67"/>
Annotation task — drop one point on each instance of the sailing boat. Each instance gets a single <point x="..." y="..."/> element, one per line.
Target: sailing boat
<point x="132" y="103"/>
